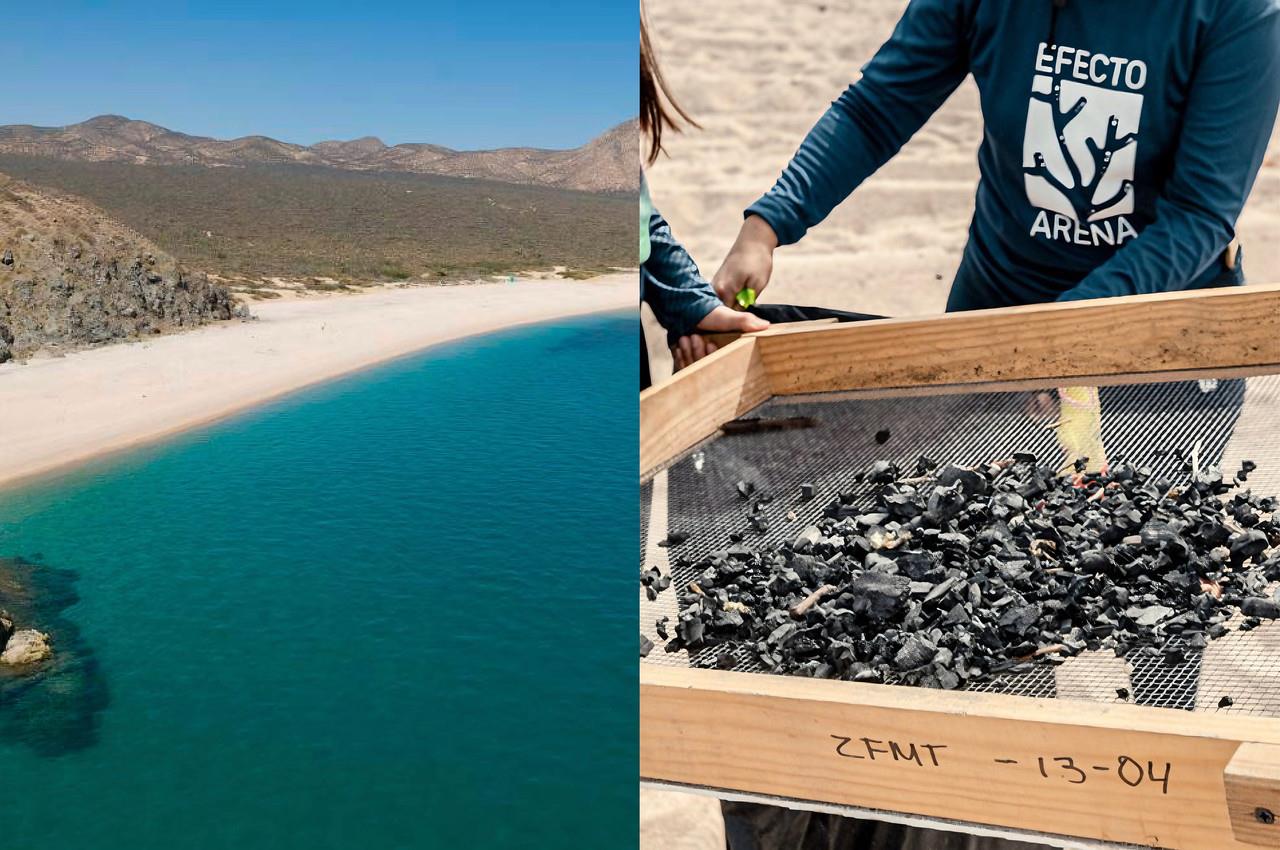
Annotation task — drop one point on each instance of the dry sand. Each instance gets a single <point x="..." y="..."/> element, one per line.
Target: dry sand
<point x="756" y="74"/>
<point x="62" y="411"/>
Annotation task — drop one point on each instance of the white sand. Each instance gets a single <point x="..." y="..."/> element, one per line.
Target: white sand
<point x="61" y="411"/>
<point x="756" y="74"/>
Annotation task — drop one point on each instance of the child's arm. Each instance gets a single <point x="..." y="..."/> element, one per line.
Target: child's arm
<point x="671" y="283"/>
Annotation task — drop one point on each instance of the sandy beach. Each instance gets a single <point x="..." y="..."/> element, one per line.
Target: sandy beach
<point x="62" y="411"/>
<point x="756" y="75"/>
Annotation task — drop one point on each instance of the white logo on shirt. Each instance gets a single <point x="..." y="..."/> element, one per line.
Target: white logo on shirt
<point x="1081" y="144"/>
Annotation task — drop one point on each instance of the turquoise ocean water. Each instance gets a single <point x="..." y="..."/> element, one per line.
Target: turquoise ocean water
<point x="389" y="612"/>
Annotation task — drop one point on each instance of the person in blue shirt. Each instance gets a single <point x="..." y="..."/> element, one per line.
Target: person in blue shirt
<point x="670" y="283"/>
<point x="1121" y="140"/>
<point x="1120" y="143"/>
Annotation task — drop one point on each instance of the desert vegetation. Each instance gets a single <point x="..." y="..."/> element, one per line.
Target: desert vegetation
<point x="299" y="221"/>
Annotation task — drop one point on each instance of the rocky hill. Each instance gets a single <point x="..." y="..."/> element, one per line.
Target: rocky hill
<point x="605" y="164"/>
<point x="72" y="277"/>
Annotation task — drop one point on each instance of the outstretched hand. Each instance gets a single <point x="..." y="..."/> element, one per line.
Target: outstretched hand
<point x="690" y="349"/>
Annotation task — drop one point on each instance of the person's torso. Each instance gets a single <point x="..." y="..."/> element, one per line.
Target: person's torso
<point x="1082" y="118"/>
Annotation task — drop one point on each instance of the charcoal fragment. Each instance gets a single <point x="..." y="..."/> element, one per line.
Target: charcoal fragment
<point x="945" y="504"/>
<point x="878" y="595"/>
<point x="755" y="425"/>
<point x="1246" y="545"/>
<point x="1018" y="619"/>
<point x="660" y="627"/>
<point x="806" y="539"/>
<point x="882" y="472"/>
<point x="939" y="590"/>
<point x="674" y="538"/>
<point x="1264" y="609"/>
<point x="915" y="653"/>
<point x="745" y="489"/>
<point x="971" y="481"/>
<point x="782" y="634"/>
<point x="925" y="465"/>
<point x="690" y="630"/>
<point x="646" y="646"/>
<point x="1122" y="693"/>
<point x="1150" y="615"/>
<point x="882" y="436"/>
<point x="1226" y="702"/>
<point x="806" y="491"/>
<point x="1093" y="562"/>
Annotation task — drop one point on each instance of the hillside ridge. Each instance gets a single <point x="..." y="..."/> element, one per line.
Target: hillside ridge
<point x="607" y="163"/>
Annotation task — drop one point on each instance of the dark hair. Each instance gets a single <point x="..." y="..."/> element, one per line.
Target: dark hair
<point x="656" y="103"/>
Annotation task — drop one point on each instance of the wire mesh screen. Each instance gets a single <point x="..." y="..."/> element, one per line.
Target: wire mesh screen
<point x="1160" y="425"/>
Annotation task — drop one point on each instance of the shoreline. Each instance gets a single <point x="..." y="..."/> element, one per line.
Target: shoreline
<point x="62" y="412"/>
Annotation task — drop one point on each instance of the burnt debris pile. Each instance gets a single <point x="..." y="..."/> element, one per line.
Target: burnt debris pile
<point x="956" y="574"/>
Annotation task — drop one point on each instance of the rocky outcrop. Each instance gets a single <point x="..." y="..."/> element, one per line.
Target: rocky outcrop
<point x="26" y="647"/>
<point x="70" y="277"/>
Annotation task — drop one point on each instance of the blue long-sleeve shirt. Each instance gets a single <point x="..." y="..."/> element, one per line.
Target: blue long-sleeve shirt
<point x="1121" y="139"/>
<point x="670" y="281"/>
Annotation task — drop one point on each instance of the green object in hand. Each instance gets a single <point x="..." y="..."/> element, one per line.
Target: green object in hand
<point x="745" y="297"/>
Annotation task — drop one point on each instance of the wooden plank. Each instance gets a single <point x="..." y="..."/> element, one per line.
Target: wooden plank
<point x="1253" y="794"/>
<point x="1114" y="379"/>
<point x="691" y="406"/>
<point x="667" y="604"/>
<point x="1207" y="329"/>
<point x="1118" y="773"/>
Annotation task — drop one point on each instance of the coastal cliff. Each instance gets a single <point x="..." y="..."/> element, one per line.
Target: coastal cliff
<point x="71" y="277"/>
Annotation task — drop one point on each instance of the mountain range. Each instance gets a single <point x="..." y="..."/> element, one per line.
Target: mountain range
<point x="607" y="163"/>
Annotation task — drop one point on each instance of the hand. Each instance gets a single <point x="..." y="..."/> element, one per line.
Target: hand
<point x="690" y="349"/>
<point x="750" y="261"/>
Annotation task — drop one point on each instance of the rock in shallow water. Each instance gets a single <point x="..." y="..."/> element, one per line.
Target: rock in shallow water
<point x="26" y="646"/>
<point x="51" y="707"/>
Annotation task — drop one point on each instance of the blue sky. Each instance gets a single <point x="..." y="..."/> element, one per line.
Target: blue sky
<point x="487" y="73"/>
